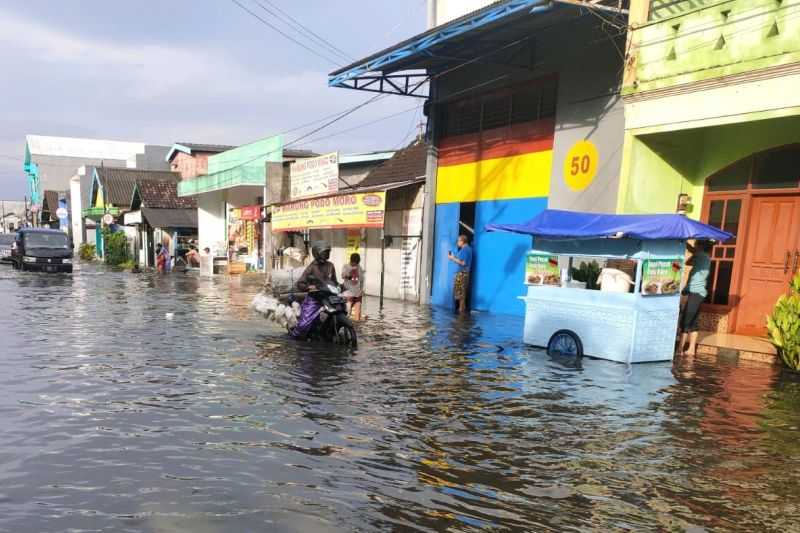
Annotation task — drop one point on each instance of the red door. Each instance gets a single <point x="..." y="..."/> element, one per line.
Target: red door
<point x="772" y="240"/>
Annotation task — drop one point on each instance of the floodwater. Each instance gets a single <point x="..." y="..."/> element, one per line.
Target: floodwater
<point x="161" y="404"/>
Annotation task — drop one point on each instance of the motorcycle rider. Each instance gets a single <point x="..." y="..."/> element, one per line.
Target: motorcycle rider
<point x="320" y="272"/>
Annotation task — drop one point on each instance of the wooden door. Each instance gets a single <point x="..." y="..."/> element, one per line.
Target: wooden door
<point x="772" y="238"/>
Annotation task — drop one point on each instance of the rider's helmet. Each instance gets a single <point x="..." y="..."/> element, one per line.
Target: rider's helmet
<point x="321" y="251"/>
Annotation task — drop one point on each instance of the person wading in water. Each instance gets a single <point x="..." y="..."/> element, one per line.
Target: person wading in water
<point x="316" y="275"/>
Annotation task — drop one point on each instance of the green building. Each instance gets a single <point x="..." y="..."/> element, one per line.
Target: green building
<point x="712" y="113"/>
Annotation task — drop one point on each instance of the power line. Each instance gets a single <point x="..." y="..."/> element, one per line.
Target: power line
<point x="284" y="34"/>
<point x="370" y="123"/>
<point x="300" y="27"/>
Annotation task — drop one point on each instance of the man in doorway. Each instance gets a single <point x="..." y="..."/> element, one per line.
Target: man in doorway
<point x="463" y="259"/>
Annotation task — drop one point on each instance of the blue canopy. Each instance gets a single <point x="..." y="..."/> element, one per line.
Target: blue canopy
<point x="556" y="224"/>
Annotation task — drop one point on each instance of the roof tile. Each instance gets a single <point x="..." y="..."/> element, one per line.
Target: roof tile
<point x="407" y="164"/>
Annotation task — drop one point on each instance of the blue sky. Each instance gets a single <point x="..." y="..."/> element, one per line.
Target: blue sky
<point x="160" y="71"/>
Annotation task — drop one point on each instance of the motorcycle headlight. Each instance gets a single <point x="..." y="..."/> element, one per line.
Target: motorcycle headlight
<point x="66" y="261"/>
<point x="29" y="259"/>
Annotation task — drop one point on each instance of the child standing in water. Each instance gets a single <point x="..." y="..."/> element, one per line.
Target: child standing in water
<point x="353" y="279"/>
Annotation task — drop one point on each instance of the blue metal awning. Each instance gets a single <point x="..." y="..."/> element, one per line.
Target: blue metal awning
<point x="402" y="69"/>
<point x="405" y="68"/>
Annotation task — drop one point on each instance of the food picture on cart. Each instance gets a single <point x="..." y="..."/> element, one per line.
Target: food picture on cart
<point x="661" y="276"/>
<point x="542" y="270"/>
<point x="636" y="261"/>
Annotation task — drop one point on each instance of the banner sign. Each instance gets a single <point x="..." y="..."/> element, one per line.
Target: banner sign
<point x="361" y="210"/>
<point x="541" y="269"/>
<point x="314" y="177"/>
<point x="661" y="276"/>
<point x="250" y="212"/>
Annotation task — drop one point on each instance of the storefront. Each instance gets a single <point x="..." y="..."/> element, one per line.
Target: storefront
<point x="230" y="199"/>
<point x="531" y="120"/>
<point x="245" y="238"/>
<point x="717" y="129"/>
<point x="382" y="224"/>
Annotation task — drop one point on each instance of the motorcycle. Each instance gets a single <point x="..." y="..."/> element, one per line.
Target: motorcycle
<point x="330" y="320"/>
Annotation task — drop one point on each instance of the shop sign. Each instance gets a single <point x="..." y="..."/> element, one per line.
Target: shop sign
<point x="353" y="243"/>
<point x="580" y="165"/>
<point x="317" y="176"/>
<point x="361" y="210"/>
<point x="250" y="212"/>
<point x="542" y="269"/>
<point x="661" y="276"/>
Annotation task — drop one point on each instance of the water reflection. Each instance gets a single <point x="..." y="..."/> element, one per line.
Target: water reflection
<point x="161" y="403"/>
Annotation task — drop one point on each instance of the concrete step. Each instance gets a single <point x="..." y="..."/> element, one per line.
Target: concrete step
<point x="741" y="346"/>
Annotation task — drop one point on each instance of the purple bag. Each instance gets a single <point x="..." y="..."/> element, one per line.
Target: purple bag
<point x="309" y="312"/>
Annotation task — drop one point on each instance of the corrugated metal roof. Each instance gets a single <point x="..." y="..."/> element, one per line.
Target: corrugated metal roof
<point x="210" y="148"/>
<point x="170" y="218"/>
<point x="366" y="157"/>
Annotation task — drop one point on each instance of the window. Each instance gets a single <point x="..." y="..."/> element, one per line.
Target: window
<point x="500" y="109"/>
<point x="733" y="178"/>
<point x="724" y="214"/>
<point x="777" y="169"/>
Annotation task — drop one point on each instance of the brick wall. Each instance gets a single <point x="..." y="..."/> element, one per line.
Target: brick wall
<point x="190" y="166"/>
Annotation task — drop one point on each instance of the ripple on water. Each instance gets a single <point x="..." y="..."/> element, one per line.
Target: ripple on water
<point x="147" y="403"/>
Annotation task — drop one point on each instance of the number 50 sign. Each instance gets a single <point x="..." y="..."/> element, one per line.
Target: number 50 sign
<point x="580" y="165"/>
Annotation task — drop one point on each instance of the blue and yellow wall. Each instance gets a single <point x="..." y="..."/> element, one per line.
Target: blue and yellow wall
<point x="506" y="172"/>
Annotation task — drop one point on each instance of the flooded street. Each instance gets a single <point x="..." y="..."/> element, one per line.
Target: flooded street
<point x="161" y="404"/>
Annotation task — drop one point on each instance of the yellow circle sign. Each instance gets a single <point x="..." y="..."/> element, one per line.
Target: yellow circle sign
<point x="580" y="165"/>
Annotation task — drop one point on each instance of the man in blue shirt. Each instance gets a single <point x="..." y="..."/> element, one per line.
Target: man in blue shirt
<point x="462" y="258"/>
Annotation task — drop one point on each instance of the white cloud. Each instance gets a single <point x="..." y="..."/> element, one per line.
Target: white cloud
<point x="63" y="81"/>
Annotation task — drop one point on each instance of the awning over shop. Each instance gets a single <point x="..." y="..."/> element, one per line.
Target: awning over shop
<point x="405" y="68"/>
<point x="556" y="224"/>
<point x="242" y="166"/>
<point x="170" y="218"/>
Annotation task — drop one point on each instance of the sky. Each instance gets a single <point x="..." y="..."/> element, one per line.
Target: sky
<point x="201" y="71"/>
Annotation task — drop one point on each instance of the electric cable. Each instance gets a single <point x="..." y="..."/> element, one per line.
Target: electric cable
<point x="300" y="27"/>
<point x="284" y="34"/>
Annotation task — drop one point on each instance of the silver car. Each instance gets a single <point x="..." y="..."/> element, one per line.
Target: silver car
<point x="6" y="240"/>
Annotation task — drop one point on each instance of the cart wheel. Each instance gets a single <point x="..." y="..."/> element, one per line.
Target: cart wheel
<point x="565" y="343"/>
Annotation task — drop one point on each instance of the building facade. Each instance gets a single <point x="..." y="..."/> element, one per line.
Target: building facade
<point x="524" y="113"/>
<point x="230" y="197"/>
<point x="713" y="113"/>
<point x="190" y="160"/>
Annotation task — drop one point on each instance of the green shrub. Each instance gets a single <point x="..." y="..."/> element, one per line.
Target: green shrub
<point x="116" y="248"/>
<point x="87" y="252"/>
<point x="587" y="273"/>
<point x="784" y="326"/>
<point x="129" y="264"/>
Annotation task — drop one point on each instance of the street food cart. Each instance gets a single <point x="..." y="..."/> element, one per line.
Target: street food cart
<point x="631" y="325"/>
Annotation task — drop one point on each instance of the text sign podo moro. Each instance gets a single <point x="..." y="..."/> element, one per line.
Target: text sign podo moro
<point x="314" y="177"/>
<point x="360" y="210"/>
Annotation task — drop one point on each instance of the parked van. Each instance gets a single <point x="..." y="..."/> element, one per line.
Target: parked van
<point x="45" y="250"/>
